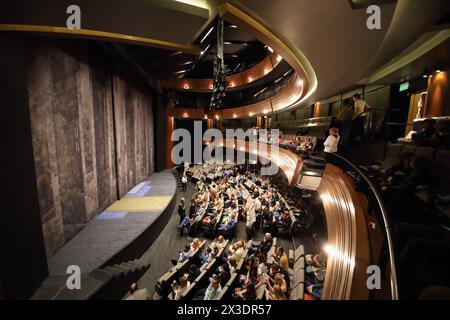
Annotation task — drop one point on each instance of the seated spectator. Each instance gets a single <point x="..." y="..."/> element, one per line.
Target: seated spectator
<point x="281" y="258"/>
<point x="183" y="255"/>
<point x="137" y="294"/>
<point x="314" y="275"/>
<point x="213" y="253"/>
<point x="396" y="174"/>
<point x="274" y="269"/>
<point x="246" y="293"/>
<point x="441" y="137"/>
<point x="195" y="244"/>
<point x="219" y="242"/>
<point x="279" y="281"/>
<point x="284" y="221"/>
<point x="214" y="289"/>
<point x="236" y="251"/>
<point x="420" y="175"/>
<point x="265" y="244"/>
<point x="315" y="291"/>
<point x="225" y="275"/>
<point x="253" y="274"/>
<point x="233" y="264"/>
<point x="193" y="207"/>
<point x="224" y="229"/>
<point x="423" y="137"/>
<point x="275" y="293"/>
<point x="193" y="273"/>
<point x="179" y="288"/>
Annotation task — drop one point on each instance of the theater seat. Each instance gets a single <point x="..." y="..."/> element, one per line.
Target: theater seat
<point x="408" y="149"/>
<point x="299" y="252"/>
<point x="441" y="172"/>
<point x="291" y="257"/>
<point x="300" y="264"/>
<point x="299" y="277"/>
<point x="298" y="292"/>
<point x="427" y="152"/>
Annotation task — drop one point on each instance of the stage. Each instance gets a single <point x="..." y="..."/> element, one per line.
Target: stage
<point x="124" y="231"/>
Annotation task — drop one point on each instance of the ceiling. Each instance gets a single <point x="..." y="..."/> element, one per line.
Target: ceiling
<point x="331" y="34"/>
<point x="241" y="51"/>
<point x="436" y="59"/>
<point x="334" y="38"/>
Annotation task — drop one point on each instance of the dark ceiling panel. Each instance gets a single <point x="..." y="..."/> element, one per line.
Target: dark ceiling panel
<point x="362" y="4"/>
<point x="131" y="17"/>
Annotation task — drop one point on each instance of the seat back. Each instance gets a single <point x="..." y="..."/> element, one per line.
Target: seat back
<point x="426" y="152"/>
<point x="408" y="149"/>
<point x="441" y="172"/>
<point x="298" y="292"/>
<point x="299" y="252"/>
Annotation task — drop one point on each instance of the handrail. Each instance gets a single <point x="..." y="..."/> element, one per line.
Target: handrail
<point x="393" y="280"/>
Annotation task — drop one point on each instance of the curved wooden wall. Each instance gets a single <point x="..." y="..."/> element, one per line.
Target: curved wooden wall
<point x="348" y="243"/>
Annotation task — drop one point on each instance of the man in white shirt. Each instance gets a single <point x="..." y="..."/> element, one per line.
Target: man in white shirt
<point x="360" y="118"/>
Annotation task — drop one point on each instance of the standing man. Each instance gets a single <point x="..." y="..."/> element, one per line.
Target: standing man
<point x="184" y="181"/>
<point x="360" y="119"/>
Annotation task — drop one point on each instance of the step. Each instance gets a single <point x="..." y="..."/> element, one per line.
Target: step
<point x="125" y="270"/>
<point x="89" y="286"/>
<point x="134" y="266"/>
<point x="113" y="270"/>
<point x="101" y="275"/>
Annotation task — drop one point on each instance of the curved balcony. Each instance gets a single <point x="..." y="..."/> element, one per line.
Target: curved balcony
<point x="284" y="98"/>
<point x="236" y="81"/>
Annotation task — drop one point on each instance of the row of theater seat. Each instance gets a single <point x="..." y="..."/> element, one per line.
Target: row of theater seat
<point x="164" y="283"/>
<point x="297" y="263"/>
<point x="227" y="289"/>
<point x="439" y="161"/>
<point x="206" y="270"/>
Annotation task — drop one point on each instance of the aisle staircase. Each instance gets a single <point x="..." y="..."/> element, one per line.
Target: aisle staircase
<point x="107" y="283"/>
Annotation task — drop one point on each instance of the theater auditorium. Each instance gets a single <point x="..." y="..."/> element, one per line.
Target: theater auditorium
<point x="227" y="150"/>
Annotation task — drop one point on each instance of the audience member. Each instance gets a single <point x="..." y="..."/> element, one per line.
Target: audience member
<point x="137" y="294"/>
<point x="214" y="288"/>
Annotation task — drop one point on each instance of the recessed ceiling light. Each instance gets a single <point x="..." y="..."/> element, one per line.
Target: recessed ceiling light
<point x="233" y="26"/>
<point x="181" y="71"/>
<point x="227" y="42"/>
<point x="207" y="34"/>
<point x="270" y="49"/>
